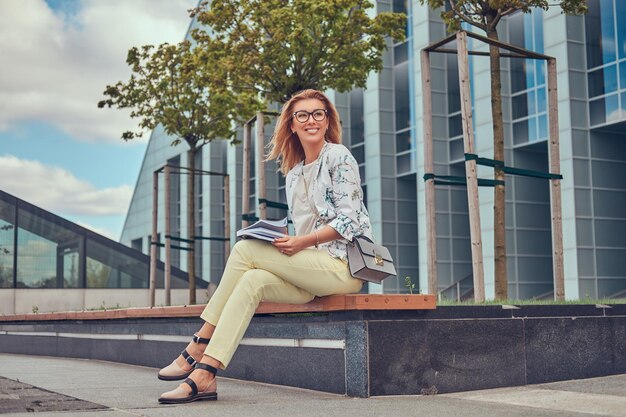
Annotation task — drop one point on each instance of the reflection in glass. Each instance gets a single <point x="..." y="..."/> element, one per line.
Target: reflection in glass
<point x="543" y="126"/>
<point x="403" y="116"/>
<point x="7" y="249"/>
<point x="403" y="163"/>
<point x="604" y="110"/>
<point x="455" y="127"/>
<point x="518" y="79"/>
<point x="537" y="16"/>
<point x="452" y="74"/>
<point x="541" y="100"/>
<point x="520" y="132"/>
<point x="602" y="81"/>
<point x="595" y="82"/>
<point x="456" y="150"/>
<point x="622" y="75"/>
<point x="356" y="117"/>
<point x="593" y="34"/>
<point x="107" y="268"/>
<point x="403" y="141"/>
<point x="520" y="106"/>
<point x="532" y="108"/>
<point x="612" y="108"/>
<point x="608" y="31"/>
<point x="359" y="153"/>
<point x="540" y="68"/>
<point x="623" y="101"/>
<point x="47" y="253"/>
<point x="36" y="262"/>
<point x="532" y="129"/>
<point x="400" y="53"/>
<point x="620" y="8"/>
<point x="596" y="112"/>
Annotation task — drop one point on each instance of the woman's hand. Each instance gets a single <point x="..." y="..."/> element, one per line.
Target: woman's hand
<point x="290" y="245"/>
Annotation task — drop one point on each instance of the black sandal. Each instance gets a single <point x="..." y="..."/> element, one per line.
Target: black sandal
<point x="210" y="395"/>
<point x="188" y="358"/>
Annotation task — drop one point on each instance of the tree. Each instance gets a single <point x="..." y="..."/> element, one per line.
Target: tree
<point x="249" y="53"/>
<point x="170" y="86"/>
<point x="277" y="47"/>
<point x="485" y="15"/>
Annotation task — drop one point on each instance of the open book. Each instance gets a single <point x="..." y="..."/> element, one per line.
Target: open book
<point x="264" y="230"/>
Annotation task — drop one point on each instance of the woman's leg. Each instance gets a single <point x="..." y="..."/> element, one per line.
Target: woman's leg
<point x="236" y="267"/>
<point x="255" y="285"/>
<point x="313" y="271"/>
<point x="304" y="269"/>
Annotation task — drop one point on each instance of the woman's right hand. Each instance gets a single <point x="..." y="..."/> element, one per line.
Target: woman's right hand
<point x="290" y="245"/>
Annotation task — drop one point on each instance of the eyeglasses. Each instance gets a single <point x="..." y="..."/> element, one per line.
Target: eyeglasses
<point x="303" y="116"/>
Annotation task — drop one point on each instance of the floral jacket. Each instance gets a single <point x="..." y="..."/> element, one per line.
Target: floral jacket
<point x="337" y="195"/>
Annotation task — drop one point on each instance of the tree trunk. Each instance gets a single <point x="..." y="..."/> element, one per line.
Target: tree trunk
<point x="191" y="221"/>
<point x="500" y="279"/>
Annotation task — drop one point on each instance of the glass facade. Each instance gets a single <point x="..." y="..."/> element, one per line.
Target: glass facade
<point x="404" y="125"/>
<point x="382" y="127"/>
<point x="606" y="61"/>
<point x="41" y="250"/>
<point x="528" y="80"/>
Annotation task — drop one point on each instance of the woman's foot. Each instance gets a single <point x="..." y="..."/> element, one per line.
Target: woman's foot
<point x="183" y="365"/>
<point x="200" y="386"/>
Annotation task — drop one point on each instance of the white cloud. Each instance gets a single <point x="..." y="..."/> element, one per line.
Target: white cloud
<point x="99" y="230"/>
<point x="57" y="190"/>
<point x="55" y="66"/>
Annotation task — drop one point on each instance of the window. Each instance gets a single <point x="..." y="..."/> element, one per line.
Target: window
<point x="528" y="80"/>
<point x="606" y="60"/>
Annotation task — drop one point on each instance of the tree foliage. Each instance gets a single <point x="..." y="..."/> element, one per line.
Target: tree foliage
<point x="170" y="85"/>
<point x="277" y="47"/>
<point x="486" y="14"/>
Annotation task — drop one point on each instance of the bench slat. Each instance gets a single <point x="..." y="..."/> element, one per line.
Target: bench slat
<point x="319" y="304"/>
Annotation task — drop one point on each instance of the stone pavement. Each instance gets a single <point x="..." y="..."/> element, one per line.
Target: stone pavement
<point x="77" y="387"/>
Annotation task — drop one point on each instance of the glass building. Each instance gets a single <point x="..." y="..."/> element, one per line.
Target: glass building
<point x="382" y="125"/>
<point x="42" y="251"/>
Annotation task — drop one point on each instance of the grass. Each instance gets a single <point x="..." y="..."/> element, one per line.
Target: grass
<point x="446" y="302"/>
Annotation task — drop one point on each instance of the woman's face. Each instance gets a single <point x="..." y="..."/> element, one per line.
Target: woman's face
<point x="309" y="120"/>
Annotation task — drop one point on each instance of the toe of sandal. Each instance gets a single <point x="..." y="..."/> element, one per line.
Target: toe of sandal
<point x="180" y="395"/>
<point x="173" y="372"/>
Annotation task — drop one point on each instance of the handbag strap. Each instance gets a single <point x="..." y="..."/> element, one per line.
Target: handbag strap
<point x="364" y="237"/>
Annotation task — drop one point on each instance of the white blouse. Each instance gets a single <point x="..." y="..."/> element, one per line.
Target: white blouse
<point x="303" y="215"/>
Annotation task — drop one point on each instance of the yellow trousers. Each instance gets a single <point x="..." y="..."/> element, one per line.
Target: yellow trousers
<point x="256" y="271"/>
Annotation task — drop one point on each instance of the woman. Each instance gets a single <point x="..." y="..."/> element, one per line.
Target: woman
<point x="326" y="206"/>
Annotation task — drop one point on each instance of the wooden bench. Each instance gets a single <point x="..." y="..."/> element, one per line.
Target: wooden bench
<point x="319" y="304"/>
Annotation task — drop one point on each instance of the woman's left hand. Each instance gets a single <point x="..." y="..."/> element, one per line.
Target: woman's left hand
<point x="289" y="245"/>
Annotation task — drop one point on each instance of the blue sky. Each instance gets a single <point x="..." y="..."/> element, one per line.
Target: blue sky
<point x="57" y="149"/>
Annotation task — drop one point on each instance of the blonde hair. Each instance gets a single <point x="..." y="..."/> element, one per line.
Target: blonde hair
<point x="285" y="146"/>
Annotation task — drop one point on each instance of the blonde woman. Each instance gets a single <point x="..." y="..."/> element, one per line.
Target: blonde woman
<point x="326" y="206"/>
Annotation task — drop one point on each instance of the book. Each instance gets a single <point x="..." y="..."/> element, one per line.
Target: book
<point x="264" y="230"/>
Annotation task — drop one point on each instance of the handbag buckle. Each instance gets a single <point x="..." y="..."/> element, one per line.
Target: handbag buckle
<point x="378" y="260"/>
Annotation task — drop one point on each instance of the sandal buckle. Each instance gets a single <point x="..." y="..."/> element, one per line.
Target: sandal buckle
<point x="191" y="361"/>
<point x="197" y="339"/>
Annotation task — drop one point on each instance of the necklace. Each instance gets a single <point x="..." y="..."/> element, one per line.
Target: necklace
<point x="306" y="185"/>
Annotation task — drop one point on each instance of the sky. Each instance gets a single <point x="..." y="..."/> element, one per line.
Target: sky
<point x="57" y="149"/>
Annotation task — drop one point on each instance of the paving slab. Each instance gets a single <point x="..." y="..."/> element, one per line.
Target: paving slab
<point x="18" y="397"/>
<point x="127" y="390"/>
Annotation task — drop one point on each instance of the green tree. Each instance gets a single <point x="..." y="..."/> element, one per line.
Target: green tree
<point x="170" y="86"/>
<point x="279" y="47"/>
<point x="248" y="53"/>
<point x="485" y="15"/>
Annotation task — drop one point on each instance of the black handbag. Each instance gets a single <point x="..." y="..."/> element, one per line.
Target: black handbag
<point x="369" y="261"/>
